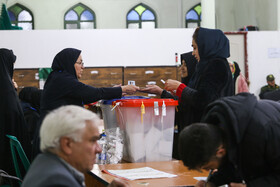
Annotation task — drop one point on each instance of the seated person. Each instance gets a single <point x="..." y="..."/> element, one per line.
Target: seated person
<point x="69" y="137"/>
<point x="271" y="86"/>
<point x="29" y="100"/>
<point x="273" y="95"/>
<point x="240" y="137"/>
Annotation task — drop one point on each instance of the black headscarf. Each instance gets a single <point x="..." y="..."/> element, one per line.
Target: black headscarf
<point x="32" y="96"/>
<point x="236" y="72"/>
<point x="8" y="56"/>
<point x="25" y="94"/>
<point x="211" y="43"/>
<point x="190" y="63"/>
<point x="11" y="115"/>
<point x="65" y="60"/>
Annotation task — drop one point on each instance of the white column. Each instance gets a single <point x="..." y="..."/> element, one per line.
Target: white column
<point x="208" y="14"/>
<point x="180" y="14"/>
<point x="278" y="15"/>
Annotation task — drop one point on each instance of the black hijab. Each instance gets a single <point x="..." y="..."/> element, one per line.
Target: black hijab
<point x="211" y="43"/>
<point x="65" y="60"/>
<point x="32" y="96"/>
<point x="25" y="94"/>
<point x="236" y="72"/>
<point x="11" y="116"/>
<point x="190" y="63"/>
<point x="61" y="80"/>
<point x="9" y="58"/>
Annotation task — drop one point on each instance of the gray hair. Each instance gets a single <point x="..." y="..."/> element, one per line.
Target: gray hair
<point x="69" y="121"/>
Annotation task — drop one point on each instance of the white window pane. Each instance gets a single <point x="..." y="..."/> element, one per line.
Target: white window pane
<point x="71" y="26"/>
<point x="148" y="25"/>
<point x="24" y="16"/>
<point x="133" y="25"/>
<point x="86" y="25"/>
<point x="192" y="25"/>
<point x="25" y="26"/>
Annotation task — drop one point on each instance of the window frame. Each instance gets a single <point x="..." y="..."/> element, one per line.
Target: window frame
<point x="140" y="20"/>
<point x="78" y="22"/>
<point x="16" y="15"/>
<point x="193" y="21"/>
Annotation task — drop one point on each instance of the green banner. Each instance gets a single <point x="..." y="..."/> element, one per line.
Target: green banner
<point x="5" y="22"/>
<point x="44" y="73"/>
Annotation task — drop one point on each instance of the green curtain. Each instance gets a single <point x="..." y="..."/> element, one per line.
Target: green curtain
<point x="5" y="22"/>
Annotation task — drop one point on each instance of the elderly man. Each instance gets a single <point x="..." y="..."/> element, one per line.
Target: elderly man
<point x="69" y="137"/>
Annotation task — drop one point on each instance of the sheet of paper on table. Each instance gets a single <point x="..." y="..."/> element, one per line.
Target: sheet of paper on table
<point x="140" y="173"/>
<point x="201" y="178"/>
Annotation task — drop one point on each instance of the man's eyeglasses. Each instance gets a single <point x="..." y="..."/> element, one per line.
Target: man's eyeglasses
<point x="80" y="63"/>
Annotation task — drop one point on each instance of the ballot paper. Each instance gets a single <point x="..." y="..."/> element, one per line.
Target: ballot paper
<point x="140" y="173"/>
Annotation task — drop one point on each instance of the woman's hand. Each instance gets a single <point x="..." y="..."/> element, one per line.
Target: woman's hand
<point x="119" y="183"/>
<point x="153" y="89"/>
<point x="15" y="84"/>
<point x="172" y="85"/>
<point x="129" y="89"/>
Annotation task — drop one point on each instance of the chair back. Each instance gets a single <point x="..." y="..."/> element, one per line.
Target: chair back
<point x="16" y="146"/>
<point x="7" y="180"/>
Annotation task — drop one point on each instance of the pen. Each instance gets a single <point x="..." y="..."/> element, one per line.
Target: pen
<point x="208" y="177"/>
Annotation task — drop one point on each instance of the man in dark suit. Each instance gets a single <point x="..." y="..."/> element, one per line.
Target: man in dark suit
<point x="69" y="144"/>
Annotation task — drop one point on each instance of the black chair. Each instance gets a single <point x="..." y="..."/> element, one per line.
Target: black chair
<point x="7" y="180"/>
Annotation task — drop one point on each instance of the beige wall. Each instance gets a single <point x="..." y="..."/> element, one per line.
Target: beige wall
<point x="231" y="15"/>
<point x="111" y="14"/>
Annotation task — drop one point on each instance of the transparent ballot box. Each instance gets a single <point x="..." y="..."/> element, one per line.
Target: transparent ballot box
<point x="109" y="114"/>
<point x="148" y="126"/>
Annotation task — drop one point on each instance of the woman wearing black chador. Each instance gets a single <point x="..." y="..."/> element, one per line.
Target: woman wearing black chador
<point x="11" y="116"/>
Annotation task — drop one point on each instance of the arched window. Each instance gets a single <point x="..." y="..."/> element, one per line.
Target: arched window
<point x="21" y="16"/>
<point x="193" y="17"/>
<point x="141" y="16"/>
<point x="79" y="17"/>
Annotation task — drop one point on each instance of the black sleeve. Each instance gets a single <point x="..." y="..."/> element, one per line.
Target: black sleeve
<point x="225" y="175"/>
<point x="261" y="93"/>
<point x="168" y="95"/>
<point x="209" y="87"/>
<point x="91" y="94"/>
<point x="272" y="157"/>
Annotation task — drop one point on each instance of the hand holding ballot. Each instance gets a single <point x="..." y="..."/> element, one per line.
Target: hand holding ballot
<point x="171" y="85"/>
<point x="153" y="89"/>
<point x="129" y="89"/>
